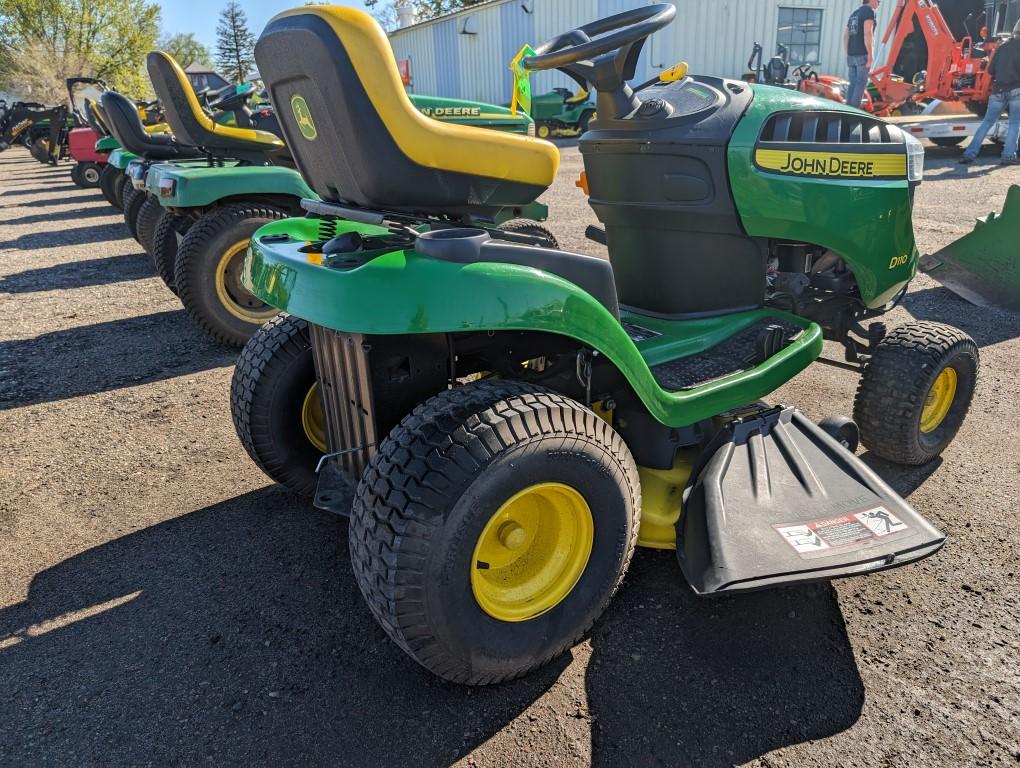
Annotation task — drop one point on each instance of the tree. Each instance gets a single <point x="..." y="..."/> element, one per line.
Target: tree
<point x="425" y="9"/>
<point x="185" y="49"/>
<point x="235" y="44"/>
<point x="44" y="41"/>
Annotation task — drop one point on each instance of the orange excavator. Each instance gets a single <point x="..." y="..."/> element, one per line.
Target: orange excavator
<point x="957" y="70"/>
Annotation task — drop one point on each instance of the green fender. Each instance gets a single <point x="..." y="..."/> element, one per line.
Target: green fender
<point x="879" y="243"/>
<point x="107" y="144"/>
<point x="198" y="185"/>
<point x="120" y="158"/>
<point x="401" y="292"/>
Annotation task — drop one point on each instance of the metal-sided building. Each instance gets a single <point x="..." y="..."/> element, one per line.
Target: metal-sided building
<point x="467" y="54"/>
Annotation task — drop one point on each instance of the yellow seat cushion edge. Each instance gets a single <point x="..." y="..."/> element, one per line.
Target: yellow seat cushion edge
<point x="428" y="142"/>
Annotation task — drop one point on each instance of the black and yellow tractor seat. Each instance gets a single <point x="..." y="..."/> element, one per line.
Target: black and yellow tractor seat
<point x="357" y="138"/>
<point x="126" y="126"/>
<point x="192" y="125"/>
<point x="93" y="119"/>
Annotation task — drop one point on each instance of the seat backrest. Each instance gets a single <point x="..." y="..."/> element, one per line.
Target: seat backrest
<point x="93" y="118"/>
<point x="191" y="124"/>
<point x="358" y="139"/>
<point x="126" y="126"/>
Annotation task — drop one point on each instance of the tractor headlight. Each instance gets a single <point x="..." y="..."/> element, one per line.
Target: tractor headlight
<point x="915" y="159"/>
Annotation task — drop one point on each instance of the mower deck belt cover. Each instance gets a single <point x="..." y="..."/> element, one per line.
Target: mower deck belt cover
<point x="776" y="500"/>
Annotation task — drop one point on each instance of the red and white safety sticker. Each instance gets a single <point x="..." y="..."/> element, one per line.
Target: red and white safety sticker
<point x="842" y="531"/>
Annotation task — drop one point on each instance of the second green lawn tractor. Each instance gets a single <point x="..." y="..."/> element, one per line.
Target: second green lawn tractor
<point x="512" y="420"/>
<point x="562" y="111"/>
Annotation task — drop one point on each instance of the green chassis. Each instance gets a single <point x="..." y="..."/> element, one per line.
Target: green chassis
<point x="550" y="109"/>
<point x="402" y="292"/>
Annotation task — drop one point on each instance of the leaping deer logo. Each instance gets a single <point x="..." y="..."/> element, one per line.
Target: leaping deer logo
<point x="303" y="115"/>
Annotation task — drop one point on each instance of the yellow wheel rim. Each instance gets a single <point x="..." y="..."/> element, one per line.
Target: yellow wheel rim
<point x="235" y="298"/>
<point x="938" y="400"/>
<point x="543" y="132"/>
<point x="313" y="420"/>
<point x="532" y="552"/>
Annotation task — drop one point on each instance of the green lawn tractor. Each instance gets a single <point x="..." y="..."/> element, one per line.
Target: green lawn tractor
<point x="205" y="212"/>
<point x="561" y="111"/>
<point x="513" y="420"/>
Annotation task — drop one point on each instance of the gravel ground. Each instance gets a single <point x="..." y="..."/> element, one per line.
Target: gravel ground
<point x="161" y="602"/>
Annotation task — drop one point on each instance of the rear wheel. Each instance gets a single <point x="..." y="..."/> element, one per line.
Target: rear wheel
<point x="915" y="391"/>
<point x="89" y="174"/>
<point x="585" y="121"/>
<point x="492" y="527"/>
<point x="133" y="200"/>
<point x="76" y="177"/>
<point x="274" y="401"/>
<point x="109" y="184"/>
<point x="148" y="216"/>
<point x="164" y="245"/>
<point x="208" y="272"/>
<point x="527" y="227"/>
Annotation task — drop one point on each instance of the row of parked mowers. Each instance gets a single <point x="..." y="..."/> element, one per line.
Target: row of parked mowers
<point x="504" y="421"/>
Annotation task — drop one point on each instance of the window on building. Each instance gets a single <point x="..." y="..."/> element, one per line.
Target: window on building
<point x="800" y="32"/>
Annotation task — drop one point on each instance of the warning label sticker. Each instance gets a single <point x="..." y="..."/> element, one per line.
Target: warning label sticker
<point x="638" y="333"/>
<point x="842" y="531"/>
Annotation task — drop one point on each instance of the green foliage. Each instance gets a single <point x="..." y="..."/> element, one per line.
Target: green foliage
<point x="235" y="43"/>
<point x="44" y="41"/>
<point x="185" y="49"/>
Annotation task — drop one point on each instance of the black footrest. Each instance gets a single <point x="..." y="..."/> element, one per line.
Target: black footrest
<point x="745" y="350"/>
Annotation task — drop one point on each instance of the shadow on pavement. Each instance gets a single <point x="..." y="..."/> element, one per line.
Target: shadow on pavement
<point x="42" y="202"/>
<point x="681" y="680"/>
<point x="98" y="358"/>
<point x="236" y="635"/>
<point x="78" y="274"/>
<point x="92" y="234"/>
<point x="88" y="212"/>
<point x="987" y="326"/>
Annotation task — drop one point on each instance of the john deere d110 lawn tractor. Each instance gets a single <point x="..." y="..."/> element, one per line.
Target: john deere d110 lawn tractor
<point x="515" y="419"/>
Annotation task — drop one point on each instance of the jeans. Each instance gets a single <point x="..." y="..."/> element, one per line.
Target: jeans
<point x="858" y="66"/>
<point x="997" y="104"/>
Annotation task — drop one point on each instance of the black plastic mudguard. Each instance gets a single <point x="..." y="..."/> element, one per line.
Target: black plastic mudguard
<point x="777" y="501"/>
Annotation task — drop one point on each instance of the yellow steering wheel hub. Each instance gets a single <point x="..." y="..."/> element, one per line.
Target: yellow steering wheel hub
<point x="313" y="420"/>
<point x="532" y="552"/>
<point x="938" y="400"/>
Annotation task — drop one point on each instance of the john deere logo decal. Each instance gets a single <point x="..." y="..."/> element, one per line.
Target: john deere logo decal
<point x="303" y="115"/>
<point x="849" y="165"/>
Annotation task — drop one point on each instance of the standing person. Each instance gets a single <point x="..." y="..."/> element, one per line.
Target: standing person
<point x="1005" y="71"/>
<point x="859" y="40"/>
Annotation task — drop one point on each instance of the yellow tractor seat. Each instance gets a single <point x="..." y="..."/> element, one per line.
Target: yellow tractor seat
<point x="578" y="98"/>
<point x="358" y="139"/>
<point x="94" y="119"/>
<point x="191" y="124"/>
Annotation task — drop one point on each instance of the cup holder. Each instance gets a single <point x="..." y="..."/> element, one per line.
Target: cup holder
<point x="460" y="244"/>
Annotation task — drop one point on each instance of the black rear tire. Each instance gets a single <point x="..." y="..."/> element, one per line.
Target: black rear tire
<point x="584" y="122"/>
<point x="528" y="227"/>
<point x="164" y="246"/>
<point x="898" y="381"/>
<point x="109" y="184"/>
<point x="272" y="378"/>
<point x="133" y="200"/>
<point x="947" y="141"/>
<point x="207" y="269"/>
<point x="76" y="177"/>
<point x="89" y="174"/>
<point x="435" y="486"/>
<point x="145" y="224"/>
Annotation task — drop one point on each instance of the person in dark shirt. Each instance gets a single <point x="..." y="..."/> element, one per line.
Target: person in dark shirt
<point x="1005" y="71"/>
<point x="859" y="40"/>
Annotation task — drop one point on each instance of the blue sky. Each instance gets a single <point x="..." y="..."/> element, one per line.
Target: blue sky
<point x="200" y="16"/>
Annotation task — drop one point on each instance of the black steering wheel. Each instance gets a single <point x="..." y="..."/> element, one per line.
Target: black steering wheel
<point x="805" y="72"/>
<point x="608" y="60"/>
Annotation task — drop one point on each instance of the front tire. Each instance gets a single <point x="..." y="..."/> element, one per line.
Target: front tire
<point x="89" y="173"/>
<point x="915" y="391"/>
<point x="208" y="268"/>
<point x="145" y="224"/>
<point x="164" y="246"/>
<point x="492" y="527"/>
<point x="273" y="402"/>
<point x="133" y="200"/>
<point x="109" y="184"/>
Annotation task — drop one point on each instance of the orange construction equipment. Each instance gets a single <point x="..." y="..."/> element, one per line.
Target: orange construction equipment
<point x="957" y="70"/>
